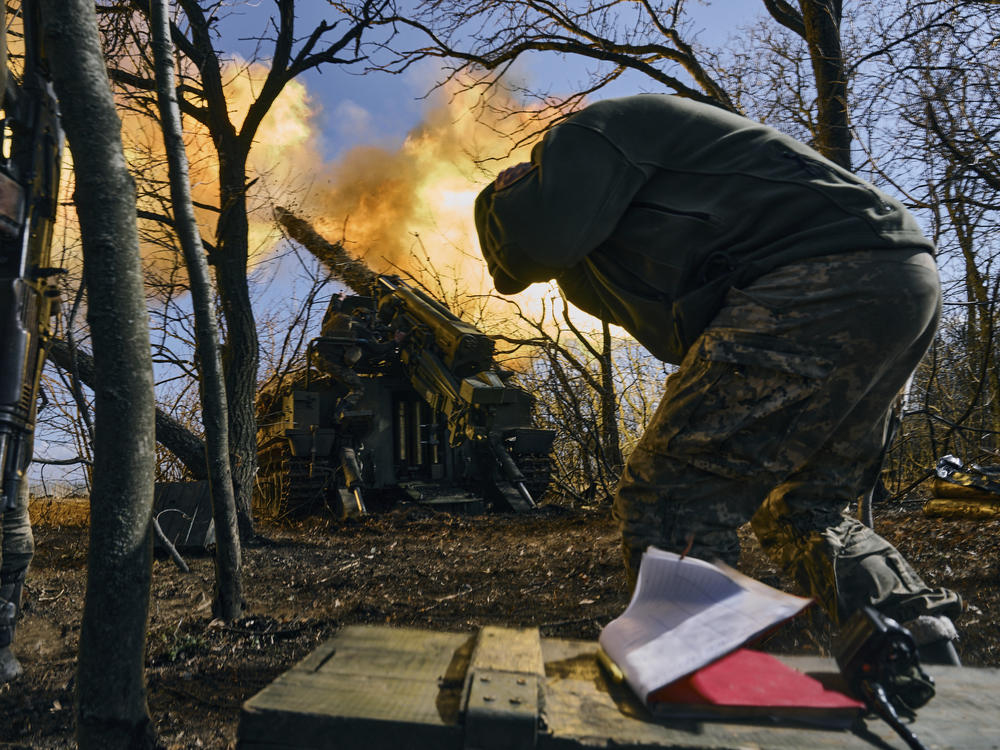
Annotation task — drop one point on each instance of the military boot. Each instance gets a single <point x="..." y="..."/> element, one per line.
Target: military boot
<point x="935" y="637"/>
<point x="10" y="602"/>
<point x="10" y="667"/>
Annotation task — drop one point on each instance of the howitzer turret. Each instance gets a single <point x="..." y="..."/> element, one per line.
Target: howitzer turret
<point x="400" y="398"/>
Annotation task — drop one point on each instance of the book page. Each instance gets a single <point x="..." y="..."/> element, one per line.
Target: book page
<point x="686" y="613"/>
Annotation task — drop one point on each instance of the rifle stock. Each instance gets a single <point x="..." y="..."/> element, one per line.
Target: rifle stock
<point x="29" y="181"/>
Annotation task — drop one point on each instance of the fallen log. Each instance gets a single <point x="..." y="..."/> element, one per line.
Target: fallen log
<point x="171" y="434"/>
<point x="945" y="489"/>
<point x="947" y="507"/>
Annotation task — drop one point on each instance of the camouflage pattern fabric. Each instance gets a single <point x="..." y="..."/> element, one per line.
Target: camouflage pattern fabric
<point x="17" y="544"/>
<point x="17" y="547"/>
<point x="777" y="416"/>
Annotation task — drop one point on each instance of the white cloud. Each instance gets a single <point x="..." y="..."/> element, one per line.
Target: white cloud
<point x="353" y="121"/>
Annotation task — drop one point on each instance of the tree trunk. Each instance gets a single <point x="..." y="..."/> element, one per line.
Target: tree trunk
<point x="111" y="691"/>
<point x="821" y="19"/>
<point x="171" y="434"/>
<point x="610" y="435"/>
<point x="228" y="603"/>
<point x="240" y="354"/>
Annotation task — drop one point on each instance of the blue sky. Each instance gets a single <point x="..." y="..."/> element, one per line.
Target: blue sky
<point x="380" y="109"/>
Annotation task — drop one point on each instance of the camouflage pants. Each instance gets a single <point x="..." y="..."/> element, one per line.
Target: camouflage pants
<point x="17" y="544"/>
<point x="777" y="416"/>
<point x="17" y="547"/>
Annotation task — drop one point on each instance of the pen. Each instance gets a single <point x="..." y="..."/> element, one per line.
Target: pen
<point x="613" y="670"/>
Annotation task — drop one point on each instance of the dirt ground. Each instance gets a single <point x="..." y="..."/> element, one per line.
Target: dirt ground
<point x="557" y="570"/>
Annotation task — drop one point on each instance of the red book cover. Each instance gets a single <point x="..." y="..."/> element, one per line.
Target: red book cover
<point x="752" y="684"/>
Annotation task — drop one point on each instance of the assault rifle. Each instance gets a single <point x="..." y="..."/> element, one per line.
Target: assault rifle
<point x="450" y="364"/>
<point x="30" y="156"/>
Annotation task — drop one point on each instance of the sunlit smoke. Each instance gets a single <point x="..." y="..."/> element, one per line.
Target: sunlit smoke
<point x="404" y="210"/>
<point x="282" y="157"/>
<point x="410" y="209"/>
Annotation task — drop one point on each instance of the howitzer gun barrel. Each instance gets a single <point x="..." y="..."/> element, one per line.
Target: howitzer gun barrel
<point x="464" y="349"/>
<point x="347" y="268"/>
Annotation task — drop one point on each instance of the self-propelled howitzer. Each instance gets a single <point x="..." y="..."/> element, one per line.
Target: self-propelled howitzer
<point x="401" y="399"/>
<point x="450" y="364"/>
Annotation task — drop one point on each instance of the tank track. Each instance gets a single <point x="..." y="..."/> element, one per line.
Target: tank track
<point x="286" y="487"/>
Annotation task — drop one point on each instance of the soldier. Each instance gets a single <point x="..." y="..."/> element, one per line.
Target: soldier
<point x="796" y="299"/>
<point x="339" y="359"/>
<point x="357" y="340"/>
<point x="17" y="548"/>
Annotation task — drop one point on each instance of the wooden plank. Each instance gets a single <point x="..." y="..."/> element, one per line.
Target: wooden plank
<point x="369" y="687"/>
<point x="583" y="709"/>
<point x="366" y="697"/>
<point x="508" y="650"/>
<point x="316" y="658"/>
<point x="965" y="713"/>
<point x="502" y="689"/>
<point x="406" y="653"/>
<point x="379" y="688"/>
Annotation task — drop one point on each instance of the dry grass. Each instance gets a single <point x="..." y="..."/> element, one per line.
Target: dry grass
<point x="59" y="511"/>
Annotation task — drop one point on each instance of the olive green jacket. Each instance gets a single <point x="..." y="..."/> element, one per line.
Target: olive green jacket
<point x="647" y="209"/>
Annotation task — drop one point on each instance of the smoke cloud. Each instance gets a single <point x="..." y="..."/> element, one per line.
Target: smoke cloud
<point x="410" y="208"/>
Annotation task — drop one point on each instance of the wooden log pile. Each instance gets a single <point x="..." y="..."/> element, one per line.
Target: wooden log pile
<point x="951" y="500"/>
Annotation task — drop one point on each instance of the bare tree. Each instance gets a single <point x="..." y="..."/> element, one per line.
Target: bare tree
<point x="947" y="93"/>
<point x="111" y="691"/>
<point x="574" y="376"/>
<point x="228" y="602"/>
<point x="653" y="38"/>
<point x="202" y="95"/>
<point x="170" y="432"/>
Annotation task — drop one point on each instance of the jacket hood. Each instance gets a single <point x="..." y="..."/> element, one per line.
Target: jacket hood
<point x="490" y="242"/>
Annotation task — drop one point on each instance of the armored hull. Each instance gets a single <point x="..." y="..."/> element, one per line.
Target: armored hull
<point x="391" y="446"/>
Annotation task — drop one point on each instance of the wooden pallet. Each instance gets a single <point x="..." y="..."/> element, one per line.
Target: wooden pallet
<point x="381" y="688"/>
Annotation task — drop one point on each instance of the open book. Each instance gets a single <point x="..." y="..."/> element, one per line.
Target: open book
<point x="687" y="613"/>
